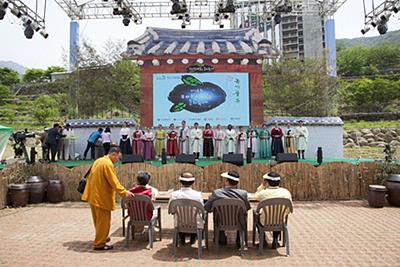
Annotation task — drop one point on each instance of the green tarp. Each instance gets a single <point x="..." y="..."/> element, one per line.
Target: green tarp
<point x="5" y="133"/>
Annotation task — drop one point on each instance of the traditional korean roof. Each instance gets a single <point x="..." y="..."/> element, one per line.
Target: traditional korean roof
<point x="82" y="123"/>
<point x="328" y="121"/>
<point x="160" y="41"/>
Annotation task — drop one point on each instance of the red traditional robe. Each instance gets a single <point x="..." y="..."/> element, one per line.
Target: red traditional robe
<point x="172" y="143"/>
<point x="143" y="190"/>
<point x="137" y="143"/>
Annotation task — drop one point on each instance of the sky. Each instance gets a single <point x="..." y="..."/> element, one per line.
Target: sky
<point x="41" y="53"/>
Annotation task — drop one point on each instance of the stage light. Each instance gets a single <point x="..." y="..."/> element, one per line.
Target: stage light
<point x="3" y="6"/>
<point x="126" y="20"/>
<point x="185" y="61"/>
<point x="177" y="7"/>
<point x="385" y="17"/>
<point x="35" y="26"/>
<point x="221" y="26"/>
<point x="28" y="32"/>
<point x="382" y="28"/>
<point x="16" y="12"/>
<point x="44" y="34"/>
<point x="373" y="23"/>
<point x="170" y="61"/>
<point x="200" y="61"/>
<point x="183" y="25"/>
<point x="226" y="16"/>
<point x="215" y="60"/>
<point x="365" y="30"/>
<point x="395" y="9"/>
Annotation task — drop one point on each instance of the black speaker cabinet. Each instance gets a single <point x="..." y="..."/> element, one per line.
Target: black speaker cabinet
<point x="131" y="158"/>
<point x="286" y="157"/>
<point x="236" y="159"/>
<point x="186" y="158"/>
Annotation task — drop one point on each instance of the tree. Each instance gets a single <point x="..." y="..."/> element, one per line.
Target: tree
<point x="8" y="76"/>
<point x="298" y="88"/>
<point x="5" y="94"/>
<point x="45" y="108"/>
<point x="34" y="75"/>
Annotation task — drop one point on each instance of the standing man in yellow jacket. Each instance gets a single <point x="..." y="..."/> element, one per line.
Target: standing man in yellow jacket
<point x="101" y="186"/>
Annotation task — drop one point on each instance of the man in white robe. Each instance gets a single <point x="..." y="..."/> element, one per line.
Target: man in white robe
<point x="302" y="139"/>
<point x="184" y="139"/>
<point x="230" y="139"/>
<point x="195" y="137"/>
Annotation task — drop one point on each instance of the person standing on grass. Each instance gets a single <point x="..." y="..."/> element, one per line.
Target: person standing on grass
<point x="101" y="186"/>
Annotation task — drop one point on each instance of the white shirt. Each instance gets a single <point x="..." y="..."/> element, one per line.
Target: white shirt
<point x="188" y="193"/>
<point x="68" y="133"/>
<point x="106" y="137"/>
<point x="124" y="131"/>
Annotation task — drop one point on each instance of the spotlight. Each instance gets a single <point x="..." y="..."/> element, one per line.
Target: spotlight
<point x="216" y="17"/>
<point x="221" y="26"/>
<point x="116" y="11"/>
<point x="365" y="30"/>
<point x="2" y="13"/>
<point x="374" y="24"/>
<point x="395" y="9"/>
<point x="177" y="7"/>
<point x="35" y="26"/>
<point x="385" y="17"/>
<point x="28" y="32"/>
<point x="382" y="28"/>
<point x="16" y="12"/>
<point x="183" y="26"/>
<point x="44" y="34"/>
<point x="226" y="16"/>
<point x="3" y="4"/>
<point x="126" y="20"/>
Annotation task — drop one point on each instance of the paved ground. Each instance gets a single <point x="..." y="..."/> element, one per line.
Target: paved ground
<point x="344" y="233"/>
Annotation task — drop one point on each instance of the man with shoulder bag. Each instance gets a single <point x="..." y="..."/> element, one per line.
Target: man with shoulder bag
<point x="101" y="185"/>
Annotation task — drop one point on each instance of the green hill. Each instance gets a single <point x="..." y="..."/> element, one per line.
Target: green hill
<point x="390" y="37"/>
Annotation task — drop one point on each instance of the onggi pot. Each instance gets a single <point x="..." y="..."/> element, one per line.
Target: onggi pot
<point x="393" y="189"/>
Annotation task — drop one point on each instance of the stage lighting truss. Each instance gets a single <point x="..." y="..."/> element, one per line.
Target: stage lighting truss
<point x="187" y="10"/>
<point x="31" y="21"/>
<point x="380" y="15"/>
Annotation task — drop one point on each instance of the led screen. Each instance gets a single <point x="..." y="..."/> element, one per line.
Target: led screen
<point x="217" y="98"/>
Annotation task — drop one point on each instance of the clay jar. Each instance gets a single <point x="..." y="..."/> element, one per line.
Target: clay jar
<point x="376" y="196"/>
<point x="55" y="191"/>
<point x="37" y="188"/>
<point x="393" y="186"/>
<point x="19" y="194"/>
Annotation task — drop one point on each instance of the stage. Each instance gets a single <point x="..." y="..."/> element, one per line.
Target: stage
<point x="205" y="162"/>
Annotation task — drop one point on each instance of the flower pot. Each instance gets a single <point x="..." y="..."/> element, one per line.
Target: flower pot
<point x="393" y="186"/>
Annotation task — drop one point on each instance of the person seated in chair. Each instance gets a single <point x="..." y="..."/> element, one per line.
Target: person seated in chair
<point x="268" y="189"/>
<point x="143" y="188"/>
<point x="230" y="190"/>
<point x="186" y="192"/>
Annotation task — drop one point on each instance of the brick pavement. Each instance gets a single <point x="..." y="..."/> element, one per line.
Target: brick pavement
<point x="346" y="233"/>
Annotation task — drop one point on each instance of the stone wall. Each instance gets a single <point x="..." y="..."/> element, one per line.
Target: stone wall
<point x="371" y="137"/>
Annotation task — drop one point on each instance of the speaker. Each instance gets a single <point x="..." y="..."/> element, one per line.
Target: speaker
<point x="236" y="159"/>
<point x="286" y="157"/>
<point x="186" y="158"/>
<point x="131" y="158"/>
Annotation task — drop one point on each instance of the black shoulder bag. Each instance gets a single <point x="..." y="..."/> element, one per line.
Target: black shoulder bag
<point x="82" y="182"/>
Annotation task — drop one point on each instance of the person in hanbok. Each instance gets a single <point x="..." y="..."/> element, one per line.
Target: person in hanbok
<point x="276" y="145"/>
<point x="195" y="139"/>
<point x="230" y="139"/>
<point x="184" y="138"/>
<point x="290" y="146"/>
<point x="160" y="140"/>
<point x="219" y="136"/>
<point x="172" y="142"/>
<point x="301" y="138"/>
<point x="125" y="141"/>
<point x="208" y="144"/>
<point x="265" y="142"/>
<point x="252" y="136"/>
<point x="241" y="142"/>
<point x="137" y="141"/>
<point x="148" y="149"/>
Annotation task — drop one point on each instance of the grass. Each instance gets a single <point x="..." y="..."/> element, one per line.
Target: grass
<point x="370" y="124"/>
<point x="367" y="152"/>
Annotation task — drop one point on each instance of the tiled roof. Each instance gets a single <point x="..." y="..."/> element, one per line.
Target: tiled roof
<point x="331" y="121"/>
<point x="99" y="122"/>
<point x="160" y="41"/>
